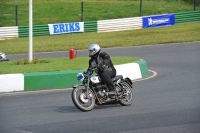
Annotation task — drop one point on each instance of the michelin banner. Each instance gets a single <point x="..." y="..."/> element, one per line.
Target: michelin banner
<point x="158" y="20"/>
<point x="63" y="28"/>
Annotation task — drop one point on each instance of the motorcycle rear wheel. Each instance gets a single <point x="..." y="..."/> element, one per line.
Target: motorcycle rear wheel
<point x="80" y="101"/>
<point x="127" y="96"/>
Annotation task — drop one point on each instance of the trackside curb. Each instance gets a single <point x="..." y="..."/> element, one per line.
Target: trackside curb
<point x="62" y="79"/>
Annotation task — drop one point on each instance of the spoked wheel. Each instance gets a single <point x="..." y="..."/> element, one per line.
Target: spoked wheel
<point x="81" y="101"/>
<point x="127" y="95"/>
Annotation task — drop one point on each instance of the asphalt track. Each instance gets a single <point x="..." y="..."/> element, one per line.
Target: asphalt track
<point x="166" y="103"/>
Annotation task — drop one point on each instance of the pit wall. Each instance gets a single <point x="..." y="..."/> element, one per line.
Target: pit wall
<point x="62" y="79"/>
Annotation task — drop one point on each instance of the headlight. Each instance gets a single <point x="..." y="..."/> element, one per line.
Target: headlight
<point x="80" y="77"/>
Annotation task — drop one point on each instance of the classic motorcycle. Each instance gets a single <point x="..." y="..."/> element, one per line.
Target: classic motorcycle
<point x="87" y="94"/>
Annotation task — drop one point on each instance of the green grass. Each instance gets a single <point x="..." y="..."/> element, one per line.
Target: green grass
<point x="57" y="64"/>
<point x="60" y="11"/>
<point x="177" y="33"/>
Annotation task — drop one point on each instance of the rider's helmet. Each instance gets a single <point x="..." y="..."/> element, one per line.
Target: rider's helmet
<point x="93" y="49"/>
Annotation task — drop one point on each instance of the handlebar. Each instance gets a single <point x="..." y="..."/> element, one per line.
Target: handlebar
<point x="90" y="71"/>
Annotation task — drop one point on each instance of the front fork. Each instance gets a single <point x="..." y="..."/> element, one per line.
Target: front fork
<point x="87" y="89"/>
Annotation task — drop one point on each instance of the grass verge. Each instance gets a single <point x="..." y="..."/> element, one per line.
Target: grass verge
<point x="56" y="64"/>
<point x="177" y="33"/>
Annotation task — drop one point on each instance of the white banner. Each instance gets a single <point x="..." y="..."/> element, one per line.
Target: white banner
<point x="66" y="28"/>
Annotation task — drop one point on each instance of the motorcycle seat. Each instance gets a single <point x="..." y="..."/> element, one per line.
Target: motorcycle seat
<point x="117" y="77"/>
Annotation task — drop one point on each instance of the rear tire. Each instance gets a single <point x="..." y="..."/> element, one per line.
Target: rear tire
<point x="127" y="96"/>
<point x="79" y="99"/>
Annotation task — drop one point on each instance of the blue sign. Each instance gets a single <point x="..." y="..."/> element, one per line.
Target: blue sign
<point x="158" y="20"/>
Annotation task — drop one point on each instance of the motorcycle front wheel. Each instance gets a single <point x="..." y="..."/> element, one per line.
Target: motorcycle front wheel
<point x="81" y="101"/>
<point x="127" y="95"/>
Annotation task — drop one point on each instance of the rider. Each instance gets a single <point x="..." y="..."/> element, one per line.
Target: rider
<point x="103" y="62"/>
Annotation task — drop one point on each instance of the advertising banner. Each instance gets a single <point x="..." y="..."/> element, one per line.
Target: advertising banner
<point x="158" y="20"/>
<point x="63" y="28"/>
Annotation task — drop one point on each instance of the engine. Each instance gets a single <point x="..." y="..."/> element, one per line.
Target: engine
<point x="100" y="87"/>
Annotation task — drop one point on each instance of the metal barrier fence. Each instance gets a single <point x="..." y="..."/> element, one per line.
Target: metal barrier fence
<point x="8" y="32"/>
<point x="184" y="17"/>
<point x="95" y="26"/>
<point x="90" y="26"/>
<point x="38" y="30"/>
<point x="119" y="24"/>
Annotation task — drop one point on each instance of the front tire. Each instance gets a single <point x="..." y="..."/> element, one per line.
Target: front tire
<point x="127" y="95"/>
<point x="80" y="101"/>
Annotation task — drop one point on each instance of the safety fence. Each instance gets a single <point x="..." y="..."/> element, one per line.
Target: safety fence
<point x="38" y="30"/>
<point x="98" y="26"/>
<point x="119" y="24"/>
<point x="8" y="32"/>
<point x="184" y="17"/>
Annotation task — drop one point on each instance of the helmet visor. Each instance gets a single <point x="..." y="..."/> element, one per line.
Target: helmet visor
<point x="90" y="52"/>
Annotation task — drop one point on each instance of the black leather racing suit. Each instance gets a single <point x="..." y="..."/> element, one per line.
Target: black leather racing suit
<point x="106" y="68"/>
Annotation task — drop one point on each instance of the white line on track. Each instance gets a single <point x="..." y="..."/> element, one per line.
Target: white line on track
<point x="154" y="74"/>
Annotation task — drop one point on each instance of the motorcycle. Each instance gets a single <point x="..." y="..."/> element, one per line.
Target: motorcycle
<point x="93" y="91"/>
<point x="3" y="57"/>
